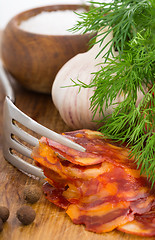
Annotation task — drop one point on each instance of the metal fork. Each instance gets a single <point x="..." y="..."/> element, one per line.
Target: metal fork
<point x="11" y="114"/>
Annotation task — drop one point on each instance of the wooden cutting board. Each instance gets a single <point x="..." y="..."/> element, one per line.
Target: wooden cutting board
<point x="51" y="222"/>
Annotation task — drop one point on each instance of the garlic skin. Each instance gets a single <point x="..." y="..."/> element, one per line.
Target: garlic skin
<point x="74" y="106"/>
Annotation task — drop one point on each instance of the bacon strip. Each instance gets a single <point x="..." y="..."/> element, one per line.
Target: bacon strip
<point x="100" y="188"/>
<point x="97" y="146"/>
<point x="143" y="225"/>
<point x="102" y="218"/>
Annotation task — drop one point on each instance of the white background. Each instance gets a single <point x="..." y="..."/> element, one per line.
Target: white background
<point x="9" y="8"/>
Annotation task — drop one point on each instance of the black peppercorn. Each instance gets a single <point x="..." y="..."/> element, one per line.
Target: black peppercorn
<point x="4" y="213"/>
<point x="32" y="193"/>
<point x="26" y="215"/>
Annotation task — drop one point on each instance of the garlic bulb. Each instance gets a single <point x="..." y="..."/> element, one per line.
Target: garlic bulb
<point x="74" y="106"/>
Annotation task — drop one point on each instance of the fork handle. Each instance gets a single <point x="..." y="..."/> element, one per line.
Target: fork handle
<point x="6" y="84"/>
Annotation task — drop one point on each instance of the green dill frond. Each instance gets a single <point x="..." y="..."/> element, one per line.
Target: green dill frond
<point x="144" y="149"/>
<point x="123" y="18"/>
<point x="126" y="76"/>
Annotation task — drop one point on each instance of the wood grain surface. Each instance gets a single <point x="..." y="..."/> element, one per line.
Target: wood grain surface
<point x="51" y="223"/>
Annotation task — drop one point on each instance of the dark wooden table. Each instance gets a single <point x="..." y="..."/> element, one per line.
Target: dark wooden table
<point x="51" y="223"/>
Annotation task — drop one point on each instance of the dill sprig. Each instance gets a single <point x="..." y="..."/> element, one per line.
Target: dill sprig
<point x="124" y="19"/>
<point x="132" y="71"/>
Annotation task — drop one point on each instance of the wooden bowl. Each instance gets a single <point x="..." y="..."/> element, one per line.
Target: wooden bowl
<point x="34" y="59"/>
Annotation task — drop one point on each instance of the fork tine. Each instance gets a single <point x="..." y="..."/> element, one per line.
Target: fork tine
<point x="23" y="165"/>
<point x="25" y="136"/>
<point x="10" y="143"/>
<point x="11" y="112"/>
<point x="20" y="148"/>
<point x="38" y="128"/>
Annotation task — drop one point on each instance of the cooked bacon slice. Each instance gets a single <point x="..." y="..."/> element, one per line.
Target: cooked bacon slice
<point x="55" y="196"/>
<point x="100" y="188"/>
<point x="143" y="225"/>
<point x="98" y="149"/>
<point x="98" y="217"/>
<point x="142" y="205"/>
<point x="102" y="218"/>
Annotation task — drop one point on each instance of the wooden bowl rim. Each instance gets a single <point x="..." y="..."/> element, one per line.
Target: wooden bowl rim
<point x="49" y="8"/>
